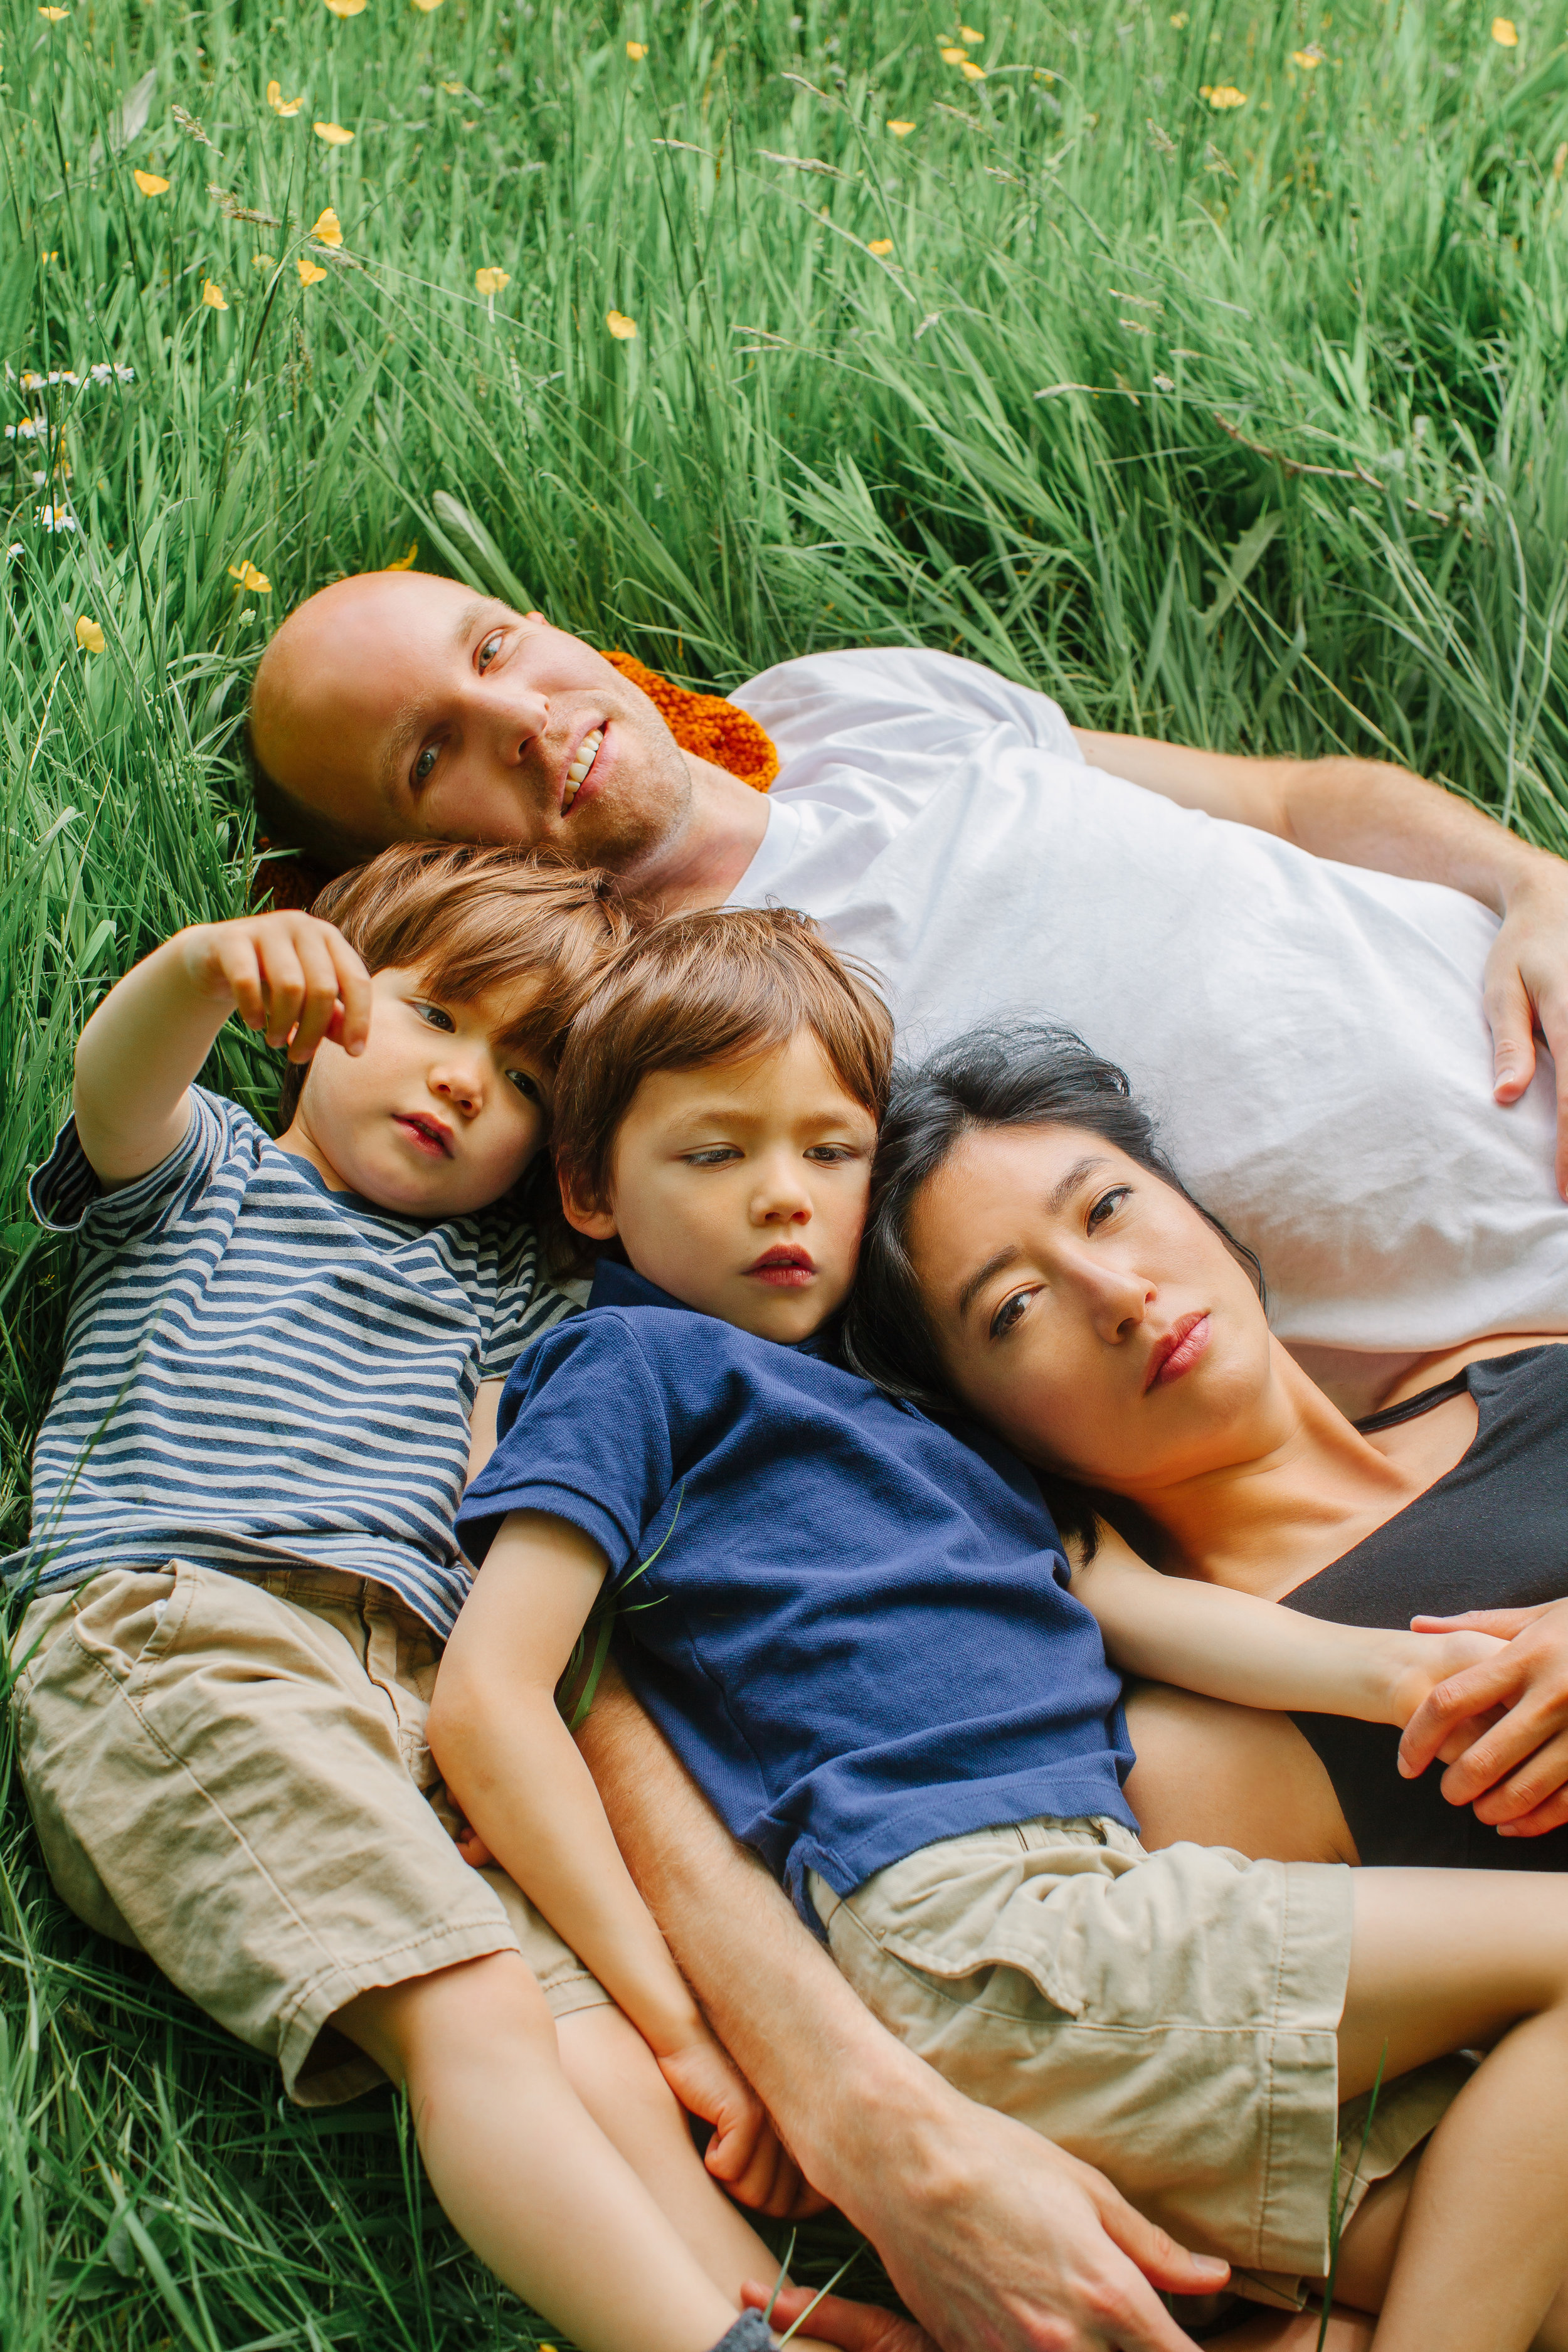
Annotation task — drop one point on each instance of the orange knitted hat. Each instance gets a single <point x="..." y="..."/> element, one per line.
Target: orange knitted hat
<point x="706" y="724"/>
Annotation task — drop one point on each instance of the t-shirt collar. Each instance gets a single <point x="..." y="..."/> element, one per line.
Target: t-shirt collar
<point x="615" y="1284"/>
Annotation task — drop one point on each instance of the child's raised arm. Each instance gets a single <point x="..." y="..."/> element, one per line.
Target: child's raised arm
<point x="1233" y="1645"/>
<point x="513" y="1767"/>
<point x="290" y="975"/>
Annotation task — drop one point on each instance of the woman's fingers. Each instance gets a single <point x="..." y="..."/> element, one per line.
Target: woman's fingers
<point x="1504" y="1622"/>
<point x="1528" y="1793"/>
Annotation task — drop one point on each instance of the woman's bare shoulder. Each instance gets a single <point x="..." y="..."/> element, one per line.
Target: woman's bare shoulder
<point x="1430" y="1371"/>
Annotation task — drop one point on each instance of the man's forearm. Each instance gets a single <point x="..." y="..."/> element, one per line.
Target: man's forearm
<point x="1361" y="811"/>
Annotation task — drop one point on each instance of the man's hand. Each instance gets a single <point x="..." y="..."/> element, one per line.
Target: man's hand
<point x="745" y="2153"/>
<point x="290" y="975"/>
<point x="1526" y="990"/>
<point x="854" y="2326"/>
<point x="1436" y="1650"/>
<point x="1515" y="1770"/>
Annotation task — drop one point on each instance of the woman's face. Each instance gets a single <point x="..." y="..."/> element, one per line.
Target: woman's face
<point x="1087" y="1312"/>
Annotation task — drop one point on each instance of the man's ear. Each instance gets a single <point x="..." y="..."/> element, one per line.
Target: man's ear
<point x="584" y="1214"/>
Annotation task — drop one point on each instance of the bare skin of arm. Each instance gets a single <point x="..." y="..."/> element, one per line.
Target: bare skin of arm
<point x="1366" y="813"/>
<point x="992" y="2236"/>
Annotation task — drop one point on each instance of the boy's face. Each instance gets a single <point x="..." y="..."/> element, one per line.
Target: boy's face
<point x="439" y="1114"/>
<point x="740" y="1189"/>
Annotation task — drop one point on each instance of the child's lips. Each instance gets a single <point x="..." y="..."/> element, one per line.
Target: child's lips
<point x="426" y="1135"/>
<point x="784" y="1270"/>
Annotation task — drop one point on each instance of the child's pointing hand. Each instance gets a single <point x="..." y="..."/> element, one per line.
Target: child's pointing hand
<point x="290" y="975"/>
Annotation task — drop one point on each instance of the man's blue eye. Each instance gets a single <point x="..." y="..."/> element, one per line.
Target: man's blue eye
<point x="424" y="763"/>
<point x="489" y="651"/>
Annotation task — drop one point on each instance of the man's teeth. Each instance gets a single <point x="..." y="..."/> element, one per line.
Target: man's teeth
<point x="586" y="752"/>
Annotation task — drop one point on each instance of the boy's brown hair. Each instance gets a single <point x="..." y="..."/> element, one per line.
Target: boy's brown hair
<point x="470" y="919"/>
<point x="719" y="986"/>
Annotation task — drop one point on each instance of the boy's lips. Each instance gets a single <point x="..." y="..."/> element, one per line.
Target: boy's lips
<point x="784" y="1268"/>
<point x="580" y="775"/>
<point x="1178" y="1350"/>
<point x="430" y="1136"/>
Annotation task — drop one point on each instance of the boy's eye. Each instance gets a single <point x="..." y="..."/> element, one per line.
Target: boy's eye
<point x="488" y="650"/>
<point x="713" y="1156"/>
<point x="1108" y="1204"/>
<point x="527" y="1086"/>
<point x="433" y="1015"/>
<point x="832" y="1155"/>
<point x="424" y="764"/>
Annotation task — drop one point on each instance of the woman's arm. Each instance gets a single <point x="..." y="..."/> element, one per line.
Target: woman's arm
<point x="290" y="975"/>
<point x="1233" y="1645"/>
<point x="513" y="1768"/>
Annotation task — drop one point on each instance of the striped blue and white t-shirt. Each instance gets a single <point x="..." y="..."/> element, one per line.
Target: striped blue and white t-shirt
<point x="262" y="1374"/>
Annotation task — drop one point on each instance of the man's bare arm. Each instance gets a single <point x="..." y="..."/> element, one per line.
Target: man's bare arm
<point x="993" y="2237"/>
<point x="1366" y="812"/>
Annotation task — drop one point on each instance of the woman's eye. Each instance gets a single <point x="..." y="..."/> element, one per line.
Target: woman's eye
<point x="1009" y="1314"/>
<point x="424" y="763"/>
<point x="527" y="1086"/>
<point x="487" y="651"/>
<point x="434" y="1017"/>
<point x="1108" y="1204"/>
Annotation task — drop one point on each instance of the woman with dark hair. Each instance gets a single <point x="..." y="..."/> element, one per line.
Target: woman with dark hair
<point x="1032" y="1258"/>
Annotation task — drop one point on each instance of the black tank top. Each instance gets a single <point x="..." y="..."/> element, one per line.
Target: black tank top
<point x="1492" y="1533"/>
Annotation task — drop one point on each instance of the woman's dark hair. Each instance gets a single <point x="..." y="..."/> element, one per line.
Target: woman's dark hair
<point x="1007" y="1075"/>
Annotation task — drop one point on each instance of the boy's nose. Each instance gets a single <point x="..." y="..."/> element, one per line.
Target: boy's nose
<point x="460" y="1084"/>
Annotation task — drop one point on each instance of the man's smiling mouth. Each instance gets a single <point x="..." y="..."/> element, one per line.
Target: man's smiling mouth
<point x="577" y="773"/>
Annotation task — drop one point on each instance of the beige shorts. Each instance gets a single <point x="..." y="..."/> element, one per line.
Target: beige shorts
<point x="231" y="1774"/>
<point x="1169" y="2017"/>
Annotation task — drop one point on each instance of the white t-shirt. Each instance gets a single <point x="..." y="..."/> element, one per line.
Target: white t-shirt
<point x="1309" y="1036"/>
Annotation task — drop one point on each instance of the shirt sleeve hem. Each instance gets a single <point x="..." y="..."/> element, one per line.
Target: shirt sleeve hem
<point x="479" y="1524"/>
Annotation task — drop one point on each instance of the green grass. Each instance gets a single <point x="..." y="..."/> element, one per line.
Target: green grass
<point x="1245" y="426"/>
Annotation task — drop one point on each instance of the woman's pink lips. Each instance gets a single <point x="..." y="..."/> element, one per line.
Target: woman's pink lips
<point x="425" y="1135"/>
<point x="784" y="1270"/>
<point x="1178" y="1351"/>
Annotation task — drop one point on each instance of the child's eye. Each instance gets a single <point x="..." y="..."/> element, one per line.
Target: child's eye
<point x="434" y="1017"/>
<point x="1108" y="1204"/>
<point x="489" y="650"/>
<point x="1009" y="1314"/>
<point x="527" y="1086"/>
<point x="423" y="766"/>
<point x="832" y="1155"/>
<point x="713" y="1156"/>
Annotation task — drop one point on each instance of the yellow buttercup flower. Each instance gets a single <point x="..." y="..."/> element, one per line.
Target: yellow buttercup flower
<point x="1505" y="32"/>
<point x="623" y="328"/>
<point x="954" y="57"/>
<point x="334" y="133"/>
<point x="149" y="184"/>
<point x="212" y="295"/>
<point x="636" y="50"/>
<point x="426" y="7"/>
<point x="967" y="33"/>
<point x="328" y="229"/>
<point x="879" y="245"/>
<point x="405" y="562"/>
<point x="1307" y="59"/>
<point x="453" y="89"/>
<point x="245" y="572"/>
<point x="55" y="15"/>
<point x="1179" y="21"/>
<point x="89" y="636"/>
<point x="278" y="103"/>
<point x="971" y="72"/>
<point x="346" y="8"/>
<point x="310" y="272"/>
<point x="1224" y="94"/>
<point x="490" y="281"/>
<point x="901" y="130"/>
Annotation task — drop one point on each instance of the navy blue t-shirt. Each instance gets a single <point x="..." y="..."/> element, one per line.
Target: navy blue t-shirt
<point x="857" y="1632"/>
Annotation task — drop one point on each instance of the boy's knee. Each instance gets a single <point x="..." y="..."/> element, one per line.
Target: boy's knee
<point x="488" y="2008"/>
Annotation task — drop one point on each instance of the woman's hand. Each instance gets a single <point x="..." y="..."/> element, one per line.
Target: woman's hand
<point x="745" y="2153"/>
<point x="1501" y="1725"/>
<point x="854" y="2326"/>
<point x="1436" y="1653"/>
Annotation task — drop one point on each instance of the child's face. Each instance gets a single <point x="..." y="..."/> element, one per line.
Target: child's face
<point x="439" y="1114"/>
<point x="740" y="1189"/>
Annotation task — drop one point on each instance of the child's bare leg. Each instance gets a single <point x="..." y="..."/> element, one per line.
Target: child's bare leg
<point x="522" y="2172"/>
<point x="612" y="2069"/>
<point x="1446" y="1960"/>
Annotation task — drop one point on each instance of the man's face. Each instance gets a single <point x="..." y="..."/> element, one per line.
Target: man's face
<point x="406" y="708"/>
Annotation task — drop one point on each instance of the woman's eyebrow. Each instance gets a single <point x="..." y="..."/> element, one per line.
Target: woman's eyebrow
<point x="1062" y="1192"/>
<point x="996" y="1264"/>
<point x="1056" y="1201"/>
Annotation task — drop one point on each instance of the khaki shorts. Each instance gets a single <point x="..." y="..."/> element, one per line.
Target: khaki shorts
<point x="1169" y="2017"/>
<point x="231" y="1774"/>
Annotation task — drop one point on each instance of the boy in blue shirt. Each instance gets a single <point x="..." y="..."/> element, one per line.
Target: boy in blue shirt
<point x="283" y="1360"/>
<point x="856" y="1628"/>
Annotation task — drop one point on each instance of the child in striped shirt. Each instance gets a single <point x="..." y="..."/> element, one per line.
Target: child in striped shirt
<point x="282" y="1362"/>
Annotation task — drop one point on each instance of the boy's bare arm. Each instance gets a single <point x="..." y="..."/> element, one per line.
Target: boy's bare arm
<point x="286" y="974"/>
<point x="1233" y="1645"/>
<point x="991" y="2235"/>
